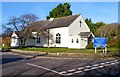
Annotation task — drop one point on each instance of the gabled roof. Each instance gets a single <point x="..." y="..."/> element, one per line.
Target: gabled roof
<point x="85" y="34"/>
<point x="44" y="22"/>
<point x="21" y="34"/>
<point x="38" y="26"/>
<point x="16" y="34"/>
<point x="48" y="24"/>
<point x="55" y="23"/>
<point x="62" y="21"/>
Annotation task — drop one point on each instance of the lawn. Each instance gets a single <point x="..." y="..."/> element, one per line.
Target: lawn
<point x="66" y="50"/>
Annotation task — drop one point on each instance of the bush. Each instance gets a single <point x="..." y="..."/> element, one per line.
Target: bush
<point x="113" y="43"/>
<point x="6" y="41"/>
<point x="90" y="46"/>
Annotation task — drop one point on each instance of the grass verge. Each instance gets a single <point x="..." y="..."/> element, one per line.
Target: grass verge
<point x="66" y="50"/>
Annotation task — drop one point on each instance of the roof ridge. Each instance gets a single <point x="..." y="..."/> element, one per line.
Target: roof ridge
<point x="58" y="18"/>
<point x="67" y="16"/>
<point x="42" y="20"/>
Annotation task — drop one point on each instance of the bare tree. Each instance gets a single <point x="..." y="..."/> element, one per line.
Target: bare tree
<point x="27" y="19"/>
<point x="20" y="25"/>
<point x="107" y="30"/>
<point x="6" y="30"/>
<point x="14" y="21"/>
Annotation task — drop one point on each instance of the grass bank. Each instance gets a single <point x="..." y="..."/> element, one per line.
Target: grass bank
<point x="66" y="50"/>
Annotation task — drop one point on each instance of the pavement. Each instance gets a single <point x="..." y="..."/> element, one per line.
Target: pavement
<point x="19" y="65"/>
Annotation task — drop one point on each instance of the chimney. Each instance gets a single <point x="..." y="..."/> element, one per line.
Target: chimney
<point x="51" y="19"/>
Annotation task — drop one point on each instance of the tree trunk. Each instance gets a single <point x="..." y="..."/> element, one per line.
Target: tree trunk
<point x="22" y="42"/>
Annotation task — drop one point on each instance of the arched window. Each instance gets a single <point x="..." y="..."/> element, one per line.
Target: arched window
<point x="38" y="39"/>
<point x="77" y="41"/>
<point x="72" y="41"/>
<point x="58" y="38"/>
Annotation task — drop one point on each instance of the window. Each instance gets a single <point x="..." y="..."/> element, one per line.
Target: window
<point x="77" y="41"/>
<point x="72" y="41"/>
<point x="38" y="39"/>
<point x="80" y="22"/>
<point x="58" y="38"/>
<point x="13" y="40"/>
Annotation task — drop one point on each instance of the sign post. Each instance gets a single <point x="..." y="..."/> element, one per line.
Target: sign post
<point x="105" y="49"/>
<point x="100" y="42"/>
<point x="95" y="50"/>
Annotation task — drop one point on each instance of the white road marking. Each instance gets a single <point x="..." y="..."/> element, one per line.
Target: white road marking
<point x="116" y="62"/>
<point x="70" y="74"/>
<point x="96" y="65"/>
<point x="80" y="68"/>
<point x="71" y="70"/>
<point x="102" y="63"/>
<point x="44" y="68"/>
<point x="101" y="66"/>
<point x="112" y="63"/>
<point x="87" y="69"/>
<point x="78" y="71"/>
<point x="88" y="66"/>
<point x="107" y="62"/>
<point x="63" y="72"/>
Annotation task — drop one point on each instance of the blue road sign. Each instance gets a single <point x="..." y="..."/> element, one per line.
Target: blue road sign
<point x="100" y="42"/>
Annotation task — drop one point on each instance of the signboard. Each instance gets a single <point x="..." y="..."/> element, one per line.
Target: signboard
<point x="99" y="42"/>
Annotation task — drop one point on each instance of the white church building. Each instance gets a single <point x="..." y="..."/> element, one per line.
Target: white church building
<point x="69" y="32"/>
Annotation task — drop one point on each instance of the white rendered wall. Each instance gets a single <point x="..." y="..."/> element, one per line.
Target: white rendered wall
<point x="74" y="44"/>
<point x="63" y="31"/>
<point x="42" y="41"/>
<point x="14" y="42"/>
<point x="75" y="29"/>
<point x="84" y="42"/>
<point x="14" y="35"/>
<point x="30" y="42"/>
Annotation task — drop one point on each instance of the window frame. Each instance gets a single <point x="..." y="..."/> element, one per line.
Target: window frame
<point x="58" y="38"/>
<point x="72" y="41"/>
<point x="38" y="39"/>
<point x="77" y="40"/>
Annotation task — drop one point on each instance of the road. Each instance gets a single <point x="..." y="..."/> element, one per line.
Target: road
<point x="17" y="65"/>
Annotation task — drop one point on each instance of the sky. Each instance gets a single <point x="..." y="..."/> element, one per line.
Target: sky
<point x="98" y="11"/>
<point x="60" y="0"/>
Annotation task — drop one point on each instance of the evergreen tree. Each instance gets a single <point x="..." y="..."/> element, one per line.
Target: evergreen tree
<point x="60" y="11"/>
<point x="90" y="24"/>
<point x="93" y="26"/>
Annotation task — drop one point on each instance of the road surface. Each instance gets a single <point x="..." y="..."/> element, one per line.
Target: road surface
<point x="17" y="65"/>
